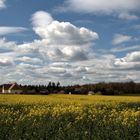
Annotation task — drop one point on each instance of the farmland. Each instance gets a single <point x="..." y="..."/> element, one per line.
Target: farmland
<point x="71" y="117"/>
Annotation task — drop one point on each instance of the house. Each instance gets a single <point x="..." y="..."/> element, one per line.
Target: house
<point x="62" y="92"/>
<point x="11" y="88"/>
<point x="91" y="93"/>
<point x="44" y="91"/>
<point x="0" y="89"/>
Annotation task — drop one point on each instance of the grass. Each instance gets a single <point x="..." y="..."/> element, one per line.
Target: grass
<point x="71" y="117"/>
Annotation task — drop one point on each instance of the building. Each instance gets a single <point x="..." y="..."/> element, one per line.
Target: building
<point x="0" y="89"/>
<point x="13" y="88"/>
<point x="91" y="93"/>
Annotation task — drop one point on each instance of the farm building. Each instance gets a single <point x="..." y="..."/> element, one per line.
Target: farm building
<point x="91" y="93"/>
<point x="11" y="88"/>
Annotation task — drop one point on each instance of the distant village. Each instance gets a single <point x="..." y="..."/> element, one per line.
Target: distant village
<point x="15" y="88"/>
<point x="87" y="89"/>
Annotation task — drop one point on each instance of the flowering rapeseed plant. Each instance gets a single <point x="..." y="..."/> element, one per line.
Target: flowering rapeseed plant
<point x="72" y="117"/>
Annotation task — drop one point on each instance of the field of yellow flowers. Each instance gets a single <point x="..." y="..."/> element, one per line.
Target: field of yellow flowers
<point x="69" y="117"/>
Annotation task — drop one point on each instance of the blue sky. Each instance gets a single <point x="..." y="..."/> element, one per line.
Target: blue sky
<point x="71" y="41"/>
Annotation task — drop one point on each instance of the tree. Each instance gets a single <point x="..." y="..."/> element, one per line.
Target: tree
<point x="58" y="84"/>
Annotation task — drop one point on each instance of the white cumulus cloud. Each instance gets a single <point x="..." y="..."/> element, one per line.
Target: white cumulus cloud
<point x="41" y="19"/>
<point x="133" y="57"/>
<point x="130" y="61"/>
<point x="60" y="32"/>
<point x="62" y="40"/>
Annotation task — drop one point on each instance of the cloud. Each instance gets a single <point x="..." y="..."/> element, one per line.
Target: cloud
<point x="119" y="39"/>
<point x="74" y="53"/>
<point x="115" y="7"/>
<point x="5" y="30"/>
<point x="53" y="70"/>
<point x="30" y="60"/>
<point x="62" y="41"/>
<point x="2" y="4"/>
<point x="29" y="63"/>
<point x="6" y="61"/>
<point x="96" y="69"/>
<point x="133" y="57"/>
<point x="61" y="32"/>
<point x="28" y="49"/>
<point x="65" y="53"/>
<point x="127" y="16"/>
<point x="6" y="46"/>
<point x="125" y="48"/>
<point x="130" y="61"/>
<point x="51" y="57"/>
<point x="41" y="19"/>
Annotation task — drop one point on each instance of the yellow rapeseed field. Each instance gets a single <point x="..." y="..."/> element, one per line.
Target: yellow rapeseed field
<point x="69" y="117"/>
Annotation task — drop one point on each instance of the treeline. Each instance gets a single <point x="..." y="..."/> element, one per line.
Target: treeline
<point x="106" y="88"/>
<point x="52" y="87"/>
<point x="99" y="88"/>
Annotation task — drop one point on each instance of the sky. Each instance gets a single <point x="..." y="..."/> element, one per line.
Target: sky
<point x="70" y="41"/>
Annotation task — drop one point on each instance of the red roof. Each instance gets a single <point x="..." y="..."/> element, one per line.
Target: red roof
<point x="7" y="86"/>
<point x="13" y="86"/>
<point x="0" y="89"/>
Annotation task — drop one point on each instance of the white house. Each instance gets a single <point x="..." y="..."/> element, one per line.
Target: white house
<point x="11" y="88"/>
<point x="91" y="93"/>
